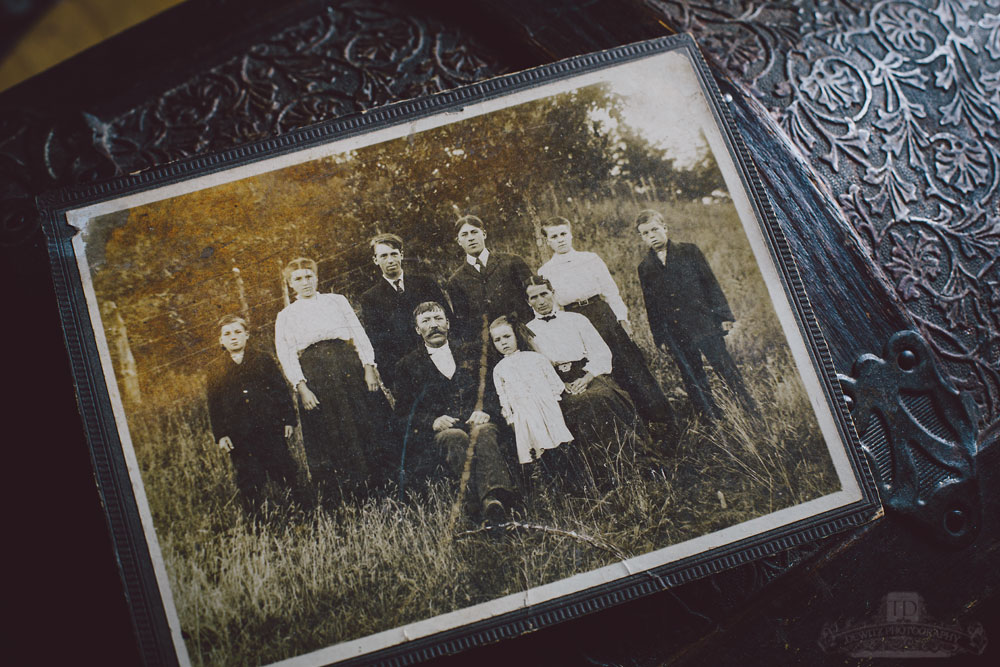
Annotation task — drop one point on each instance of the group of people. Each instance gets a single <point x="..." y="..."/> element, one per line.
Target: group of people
<point x="426" y="382"/>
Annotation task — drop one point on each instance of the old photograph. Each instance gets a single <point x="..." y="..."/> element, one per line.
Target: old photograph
<point x="454" y="366"/>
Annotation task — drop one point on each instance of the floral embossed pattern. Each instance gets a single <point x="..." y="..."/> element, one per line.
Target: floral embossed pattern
<point x="897" y="103"/>
<point x="348" y="57"/>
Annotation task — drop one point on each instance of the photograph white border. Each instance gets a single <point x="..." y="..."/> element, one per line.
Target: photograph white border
<point x="723" y="150"/>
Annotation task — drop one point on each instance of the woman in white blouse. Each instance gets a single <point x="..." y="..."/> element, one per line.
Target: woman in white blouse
<point x="327" y="357"/>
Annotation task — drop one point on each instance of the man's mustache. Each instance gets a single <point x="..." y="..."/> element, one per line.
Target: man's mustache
<point x="437" y="330"/>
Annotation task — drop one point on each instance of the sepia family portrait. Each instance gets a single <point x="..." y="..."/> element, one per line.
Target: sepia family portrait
<point x="424" y="375"/>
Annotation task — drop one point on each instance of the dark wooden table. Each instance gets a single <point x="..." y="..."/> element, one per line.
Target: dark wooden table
<point x="884" y="184"/>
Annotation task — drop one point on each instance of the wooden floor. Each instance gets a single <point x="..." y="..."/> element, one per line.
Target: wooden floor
<point x="70" y="27"/>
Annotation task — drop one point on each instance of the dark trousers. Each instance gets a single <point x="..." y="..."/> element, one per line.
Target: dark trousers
<point x="688" y="354"/>
<point x="271" y="460"/>
<point x="488" y="471"/>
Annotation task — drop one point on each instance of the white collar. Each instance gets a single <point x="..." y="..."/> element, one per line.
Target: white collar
<point x="483" y="257"/>
<point x="307" y="305"/>
<point x="438" y="350"/>
<point x="392" y="281"/>
<point x="564" y="256"/>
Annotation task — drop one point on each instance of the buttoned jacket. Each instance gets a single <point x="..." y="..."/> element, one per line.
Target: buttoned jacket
<point x="496" y="290"/>
<point x="683" y="298"/>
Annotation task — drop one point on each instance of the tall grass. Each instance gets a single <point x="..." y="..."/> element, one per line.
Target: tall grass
<point x="254" y="592"/>
<point x="250" y="592"/>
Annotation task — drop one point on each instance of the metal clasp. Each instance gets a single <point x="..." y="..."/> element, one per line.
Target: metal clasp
<point x="918" y="433"/>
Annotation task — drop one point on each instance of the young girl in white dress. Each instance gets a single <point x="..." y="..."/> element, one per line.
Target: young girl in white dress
<point x="529" y="390"/>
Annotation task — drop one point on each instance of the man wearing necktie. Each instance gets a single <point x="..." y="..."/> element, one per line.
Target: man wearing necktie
<point x="688" y="313"/>
<point x="487" y="285"/>
<point x="387" y="307"/>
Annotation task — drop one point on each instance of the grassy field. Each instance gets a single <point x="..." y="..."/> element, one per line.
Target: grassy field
<point x="250" y="593"/>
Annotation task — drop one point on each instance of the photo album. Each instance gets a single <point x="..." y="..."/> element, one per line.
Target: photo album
<point x="450" y="370"/>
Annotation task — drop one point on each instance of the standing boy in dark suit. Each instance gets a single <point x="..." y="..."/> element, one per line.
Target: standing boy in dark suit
<point x="688" y="313"/>
<point x="251" y="413"/>
<point x="487" y="285"/>
<point x="442" y="405"/>
<point x="387" y="307"/>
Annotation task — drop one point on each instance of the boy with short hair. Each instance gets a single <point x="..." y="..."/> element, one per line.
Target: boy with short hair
<point x="688" y="313"/>
<point x="487" y="285"/>
<point x="251" y="413"/>
<point x="387" y="306"/>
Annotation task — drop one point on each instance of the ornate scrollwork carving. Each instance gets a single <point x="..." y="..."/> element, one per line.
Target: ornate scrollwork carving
<point x="897" y="104"/>
<point x="348" y="57"/>
<point x="37" y="152"/>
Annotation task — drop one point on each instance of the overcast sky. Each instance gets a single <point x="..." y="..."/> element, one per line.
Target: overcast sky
<point x="667" y="108"/>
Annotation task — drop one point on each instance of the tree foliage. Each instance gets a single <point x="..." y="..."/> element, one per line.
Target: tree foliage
<point x="169" y="265"/>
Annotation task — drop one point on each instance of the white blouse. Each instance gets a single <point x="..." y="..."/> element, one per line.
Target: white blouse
<point x="571" y="337"/>
<point x="308" y="321"/>
<point x="578" y="275"/>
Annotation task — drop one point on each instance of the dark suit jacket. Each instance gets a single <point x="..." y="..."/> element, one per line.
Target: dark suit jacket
<point x="249" y="401"/>
<point x="497" y="290"/>
<point x="683" y="298"/>
<point x="388" y="318"/>
<point x="423" y="393"/>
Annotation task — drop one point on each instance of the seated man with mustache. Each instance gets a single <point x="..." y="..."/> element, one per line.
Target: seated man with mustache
<point x="444" y="406"/>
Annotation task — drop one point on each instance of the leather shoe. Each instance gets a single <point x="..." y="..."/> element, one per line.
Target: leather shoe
<point x="494" y="511"/>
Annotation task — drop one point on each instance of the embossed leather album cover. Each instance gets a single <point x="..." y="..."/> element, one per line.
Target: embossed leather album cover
<point x="450" y="370"/>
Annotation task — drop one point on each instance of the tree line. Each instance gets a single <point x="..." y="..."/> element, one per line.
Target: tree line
<point x="169" y="265"/>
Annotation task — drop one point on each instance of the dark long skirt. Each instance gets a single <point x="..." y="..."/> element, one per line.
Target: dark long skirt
<point x="605" y="426"/>
<point x="346" y="434"/>
<point x="562" y="470"/>
<point x="628" y="364"/>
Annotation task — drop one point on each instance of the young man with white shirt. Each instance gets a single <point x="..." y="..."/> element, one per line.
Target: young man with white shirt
<point x="387" y="307"/>
<point x="599" y="413"/>
<point x="442" y="405"/>
<point x="583" y="284"/>
<point x="688" y="313"/>
<point x="487" y="285"/>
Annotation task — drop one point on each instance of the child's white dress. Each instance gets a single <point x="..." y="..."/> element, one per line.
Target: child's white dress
<point x="529" y="391"/>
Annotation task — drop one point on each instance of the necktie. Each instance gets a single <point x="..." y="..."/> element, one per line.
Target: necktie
<point x="398" y="284"/>
<point x="547" y="318"/>
<point x="479" y="265"/>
